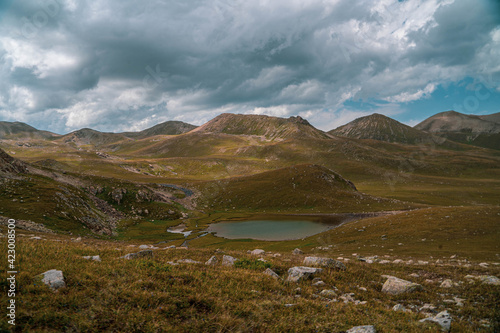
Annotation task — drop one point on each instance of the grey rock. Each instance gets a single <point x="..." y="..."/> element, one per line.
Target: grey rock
<point x="299" y="273"/>
<point x="297" y="251"/>
<point x="323" y="262"/>
<point x="442" y="318"/>
<point x="319" y="283"/>
<point x="492" y="280"/>
<point x="328" y="293"/>
<point x="212" y="261"/>
<point x="188" y="261"/>
<point x="144" y="247"/>
<point x="396" y="286"/>
<point x="447" y="284"/>
<point x="228" y="260"/>
<point x="94" y="258"/>
<point x="140" y="254"/>
<point x="398" y="307"/>
<point x="54" y="279"/>
<point x="257" y="252"/>
<point x="362" y="329"/>
<point x="271" y="273"/>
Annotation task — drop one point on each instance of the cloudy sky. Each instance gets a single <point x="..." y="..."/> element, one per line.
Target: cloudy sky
<point x="117" y="65"/>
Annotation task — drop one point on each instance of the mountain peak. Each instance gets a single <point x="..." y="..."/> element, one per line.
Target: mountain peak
<point x="261" y="125"/>
<point x="379" y="127"/>
<point x="452" y="121"/>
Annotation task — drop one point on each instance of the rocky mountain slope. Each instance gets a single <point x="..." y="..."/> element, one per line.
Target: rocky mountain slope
<point x="272" y="128"/>
<point x="380" y="127"/>
<point x="482" y="131"/>
<point x="18" y="130"/>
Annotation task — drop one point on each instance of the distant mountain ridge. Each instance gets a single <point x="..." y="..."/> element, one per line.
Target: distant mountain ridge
<point x="382" y="128"/>
<point x="261" y="125"/>
<point x="16" y="130"/>
<point x="481" y="131"/>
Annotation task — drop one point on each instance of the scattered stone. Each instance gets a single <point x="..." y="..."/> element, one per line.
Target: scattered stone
<point x="228" y="260"/>
<point x="397" y="261"/>
<point x="188" y="261"/>
<point x="384" y="261"/>
<point x="54" y="279"/>
<point x="271" y="273"/>
<point x="485" y="279"/>
<point x="324" y="262"/>
<point x="319" y="283"/>
<point x="144" y="247"/>
<point x="257" y="252"/>
<point x="212" y="261"/>
<point x="427" y="308"/>
<point x="484" y="264"/>
<point x="396" y="286"/>
<point x="140" y="254"/>
<point x="362" y="329"/>
<point x="297" y="251"/>
<point x="328" y="293"/>
<point x="95" y="258"/>
<point x="362" y="289"/>
<point x="415" y="275"/>
<point x="442" y="318"/>
<point x="36" y="237"/>
<point x="170" y="247"/>
<point x="299" y="273"/>
<point x="447" y="284"/>
<point x="398" y="307"/>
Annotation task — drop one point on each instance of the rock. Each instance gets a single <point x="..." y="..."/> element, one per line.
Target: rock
<point x="396" y="286"/>
<point x="257" y="252"/>
<point x="188" y="261"/>
<point x="319" y="283"/>
<point x="297" y="252"/>
<point x="447" y="284"/>
<point x="492" y="280"/>
<point x="427" y="308"/>
<point x="144" y="247"/>
<point x="384" y="261"/>
<point x="212" y="261"/>
<point x="328" y="293"/>
<point x="362" y="329"/>
<point x="54" y="279"/>
<point x="324" y="262"/>
<point x="170" y="247"/>
<point x="398" y="261"/>
<point x="398" y="307"/>
<point x="140" y="254"/>
<point x="299" y="273"/>
<point x="442" y="318"/>
<point x="95" y="258"/>
<point x="271" y="273"/>
<point x="228" y="260"/>
<point x="484" y="264"/>
<point x="36" y="237"/>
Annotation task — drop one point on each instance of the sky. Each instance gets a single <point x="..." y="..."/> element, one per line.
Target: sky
<point x="126" y="65"/>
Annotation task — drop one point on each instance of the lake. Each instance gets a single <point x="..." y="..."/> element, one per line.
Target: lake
<point x="276" y="228"/>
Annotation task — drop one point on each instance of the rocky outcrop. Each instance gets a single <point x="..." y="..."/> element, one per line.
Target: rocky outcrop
<point x="443" y="319"/>
<point x="323" y="262"/>
<point x="362" y="329"/>
<point x="54" y="279"/>
<point x="271" y="273"/>
<point x="396" y="286"/>
<point x="212" y="261"/>
<point x="228" y="260"/>
<point x="140" y="254"/>
<point x="299" y="273"/>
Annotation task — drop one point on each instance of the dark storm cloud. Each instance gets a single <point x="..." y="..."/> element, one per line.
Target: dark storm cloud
<point x="118" y="65"/>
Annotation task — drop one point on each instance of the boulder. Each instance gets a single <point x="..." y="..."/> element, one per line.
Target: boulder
<point x="396" y="286"/>
<point x="140" y="254"/>
<point x="398" y="307"/>
<point x="188" y="261"/>
<point x="362" y="329"/>
<point x="271" y="273"/>
<point x="323" y="262"/>
<point x="442" y="318"/>
<point x="54" y="279"/>
<point x="299" y="273"/>
<point x="143" y="247"/>
<point x="228" y="260"/>
<point x="257" y="252"/>
<point x="212" y="261"/>
<point x="94" y="258"/>
<point x="328" y="293"/>
<point x="447" y="284"/>
<point x="297" y="251"/>
<point x="485" y="279"/>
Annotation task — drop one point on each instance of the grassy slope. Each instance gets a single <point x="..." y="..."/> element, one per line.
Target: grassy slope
<point x="153" y="296"/>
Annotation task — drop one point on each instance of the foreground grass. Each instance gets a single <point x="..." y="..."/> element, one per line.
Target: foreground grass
<point x="118" y="295"/>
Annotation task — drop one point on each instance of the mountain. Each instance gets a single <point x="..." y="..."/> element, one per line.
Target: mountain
<point x="495" y="117"/>
<point x="382" y="128"/>
<point x="87" y="136"/>
<point x="166" y="128"/>
<point x="10" y="165"/>
<point x="18" y="130"/>
<point x="452" y="121"/>
<point x="482" y="131"/>
<point x="273" y="128"/>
